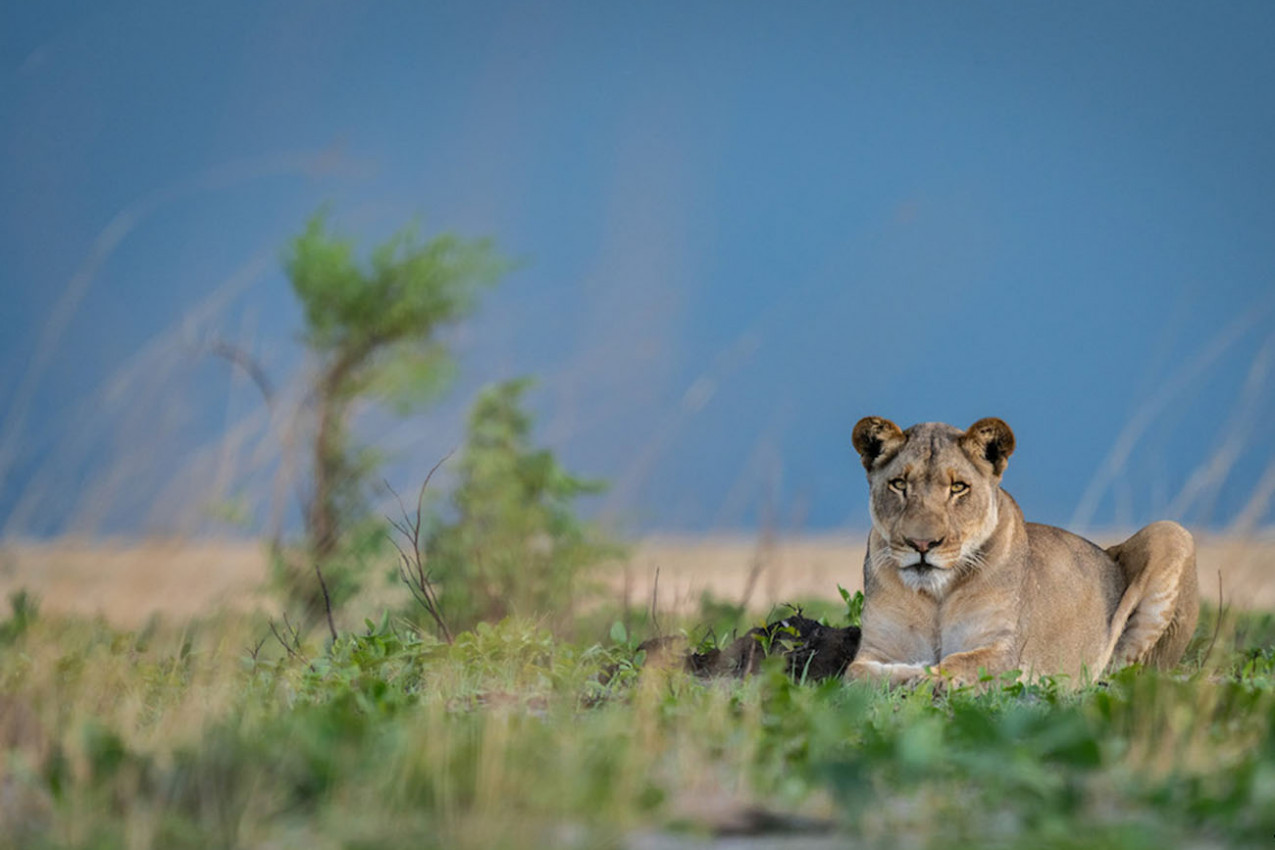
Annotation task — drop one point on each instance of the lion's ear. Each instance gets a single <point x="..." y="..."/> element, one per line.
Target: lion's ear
<point x="876" y="439"/>
<point x="990" y="440"/>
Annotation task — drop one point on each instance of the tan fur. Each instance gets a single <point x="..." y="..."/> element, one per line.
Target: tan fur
<point x="956" y="584"/>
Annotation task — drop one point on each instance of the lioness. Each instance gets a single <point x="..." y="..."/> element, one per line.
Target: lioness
<point x="956" y="581"/>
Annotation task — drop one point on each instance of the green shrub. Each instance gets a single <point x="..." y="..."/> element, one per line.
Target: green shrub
<point x="514" y="545"/>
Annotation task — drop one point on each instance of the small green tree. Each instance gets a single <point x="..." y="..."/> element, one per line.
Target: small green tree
<point x="514" y="544"/>
<point x="372" y="327"/>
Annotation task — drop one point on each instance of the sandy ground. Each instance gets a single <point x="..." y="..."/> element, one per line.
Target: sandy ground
<point x="128" y="582"/>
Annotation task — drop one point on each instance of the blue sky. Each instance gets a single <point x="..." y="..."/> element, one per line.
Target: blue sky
<point x="742" y="226"/>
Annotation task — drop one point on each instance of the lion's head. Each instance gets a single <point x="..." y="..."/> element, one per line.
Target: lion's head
<point x="934" y="494"/>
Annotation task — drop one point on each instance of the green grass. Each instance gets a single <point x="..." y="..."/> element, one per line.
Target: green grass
<point x="194" y="737"/>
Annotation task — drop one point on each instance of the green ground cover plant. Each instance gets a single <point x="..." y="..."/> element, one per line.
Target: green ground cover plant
<point x="208" y="735"/>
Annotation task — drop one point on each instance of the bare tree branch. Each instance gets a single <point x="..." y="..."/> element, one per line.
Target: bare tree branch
<point x="412" y="558"/>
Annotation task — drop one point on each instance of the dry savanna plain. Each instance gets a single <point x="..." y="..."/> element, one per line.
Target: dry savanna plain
<point x="128" y="582"/>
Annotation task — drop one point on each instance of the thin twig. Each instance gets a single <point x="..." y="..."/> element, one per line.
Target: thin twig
<point x="655" y="598"/>
<point x="292" y="630"/>
<point x="240" y="357"/>
<point x="626" y="596"/>
<point x="256" y="650"/>
<point x="412" y="559"/>
<point x="1222" y="611"/>
<point x="327" y="599"/>
<point x="282" y="642"/>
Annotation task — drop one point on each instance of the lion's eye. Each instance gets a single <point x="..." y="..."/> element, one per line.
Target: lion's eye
<point x="898" y="484"/>
<point x="959" y="487"/>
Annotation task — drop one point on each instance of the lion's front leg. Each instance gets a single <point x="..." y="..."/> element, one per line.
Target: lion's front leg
<point x="881" y="671"/>
<point x="966" y="668"/>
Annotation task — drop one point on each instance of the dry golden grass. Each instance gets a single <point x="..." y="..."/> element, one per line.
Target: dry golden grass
<point x="128" y="582"/>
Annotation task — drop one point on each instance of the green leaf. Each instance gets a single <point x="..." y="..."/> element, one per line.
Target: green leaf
<point x="854" y="605"/>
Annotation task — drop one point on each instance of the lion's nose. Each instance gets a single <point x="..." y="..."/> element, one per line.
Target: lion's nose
<point x="923" y="546"/>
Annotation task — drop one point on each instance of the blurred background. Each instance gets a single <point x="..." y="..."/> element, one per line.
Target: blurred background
<point x="737" y="228"/>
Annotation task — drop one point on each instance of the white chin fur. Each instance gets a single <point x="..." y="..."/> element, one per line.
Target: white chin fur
<point x="933" y="581"/>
